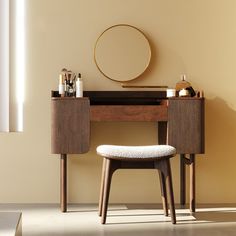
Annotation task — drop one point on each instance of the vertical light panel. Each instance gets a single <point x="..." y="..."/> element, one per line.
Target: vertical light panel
<point x="12" y="64"/>
<point x="4" y="65"/>
<point x="17" y="64"/>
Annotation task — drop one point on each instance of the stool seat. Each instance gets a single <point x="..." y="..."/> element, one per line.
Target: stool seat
<point x="136" y="157"/>
<point x="152" y="152"/>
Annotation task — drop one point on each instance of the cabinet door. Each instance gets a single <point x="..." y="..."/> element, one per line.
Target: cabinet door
<point x="186" y="125"/>
<point x="70" y="127"/>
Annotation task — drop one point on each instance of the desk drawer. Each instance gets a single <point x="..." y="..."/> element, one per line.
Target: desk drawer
<point x="128" y="113"/>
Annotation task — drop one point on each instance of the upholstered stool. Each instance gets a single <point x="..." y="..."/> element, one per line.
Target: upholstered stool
<point x="136" y="157"/>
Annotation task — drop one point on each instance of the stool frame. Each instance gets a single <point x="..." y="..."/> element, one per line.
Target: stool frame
<point x="162" y="164"/>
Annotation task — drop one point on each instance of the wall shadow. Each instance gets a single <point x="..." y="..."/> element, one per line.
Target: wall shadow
<point x="220" y="130"/>
<point x="216" y="172"/>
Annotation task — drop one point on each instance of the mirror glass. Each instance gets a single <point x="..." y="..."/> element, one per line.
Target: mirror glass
<point x="122" y="53"/>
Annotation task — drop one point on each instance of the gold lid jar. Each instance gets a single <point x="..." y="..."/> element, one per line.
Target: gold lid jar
<point x="182" y="84"/>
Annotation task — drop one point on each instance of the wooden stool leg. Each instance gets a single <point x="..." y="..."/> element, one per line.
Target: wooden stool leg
<point x="63" y="182"/>
<point x="164" y="166"/>
<point x="102" y="187"/>
<point x="171" y="193"/>
<point x="163" y="193"/>
<point x="106" y="192"/>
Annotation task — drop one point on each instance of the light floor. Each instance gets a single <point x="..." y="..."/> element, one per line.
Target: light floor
<point x="125" y="220"/>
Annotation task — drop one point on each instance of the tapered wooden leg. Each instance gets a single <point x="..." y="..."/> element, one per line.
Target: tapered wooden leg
<point x="164" y="167"/>
<point x="182" y="180"/>
<point x="192" y="200"/>
<point x="171" y="193"/>
<point x="106" y="192"/>
<point x="163" y="192"/>
<point x="63" y="183"/>
<point x="102" y="187"/>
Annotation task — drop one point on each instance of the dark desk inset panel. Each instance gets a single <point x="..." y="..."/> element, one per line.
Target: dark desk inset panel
<point x="186" y="125"/>
<point x="70" y="126"/>
<point x="125" y="97"/>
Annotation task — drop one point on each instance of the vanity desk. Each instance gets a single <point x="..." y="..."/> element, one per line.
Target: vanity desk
<point x="180" y="124"/>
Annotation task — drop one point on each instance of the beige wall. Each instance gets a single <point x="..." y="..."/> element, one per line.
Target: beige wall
<point x="187" y="36"/>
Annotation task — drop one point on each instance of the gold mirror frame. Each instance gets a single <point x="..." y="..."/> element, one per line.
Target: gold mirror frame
<point x="122" y="53"/>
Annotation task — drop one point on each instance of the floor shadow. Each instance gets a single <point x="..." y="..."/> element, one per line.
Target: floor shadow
<point x="203" y="215"/>
<point x="216" y="214"/>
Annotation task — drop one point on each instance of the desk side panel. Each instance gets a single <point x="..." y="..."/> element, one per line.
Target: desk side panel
<point x="70" y="127"/>
<point x="186" y="125"/>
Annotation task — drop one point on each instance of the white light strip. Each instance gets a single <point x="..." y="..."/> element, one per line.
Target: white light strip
<point x="4" y="65"/>
<point x="19" y="61"/>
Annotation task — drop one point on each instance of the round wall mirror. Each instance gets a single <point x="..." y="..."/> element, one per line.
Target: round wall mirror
<point x="122" y="53"/>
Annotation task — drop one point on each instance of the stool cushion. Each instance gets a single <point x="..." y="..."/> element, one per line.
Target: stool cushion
<point x="136" y="152"/>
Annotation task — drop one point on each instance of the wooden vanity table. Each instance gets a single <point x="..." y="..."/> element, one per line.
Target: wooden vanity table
<point x="180" y="124"/>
